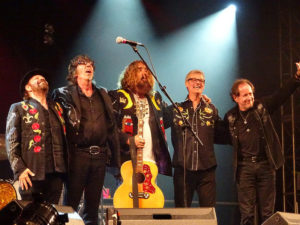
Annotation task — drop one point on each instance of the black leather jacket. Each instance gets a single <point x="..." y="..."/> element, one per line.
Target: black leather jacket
<point x="69" y="98"/>
<point x="24" y="138"/>
<point x="263" y="109"/>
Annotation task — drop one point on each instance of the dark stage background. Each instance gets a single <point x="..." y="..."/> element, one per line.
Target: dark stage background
<point x="179" y="37"/>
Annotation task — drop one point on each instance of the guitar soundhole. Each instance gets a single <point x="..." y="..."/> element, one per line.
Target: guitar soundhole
<point x="140" y="177"/>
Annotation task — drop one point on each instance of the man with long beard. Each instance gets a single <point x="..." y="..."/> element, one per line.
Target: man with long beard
<point x="35" y="140"/>
<point x="136" y="89"/>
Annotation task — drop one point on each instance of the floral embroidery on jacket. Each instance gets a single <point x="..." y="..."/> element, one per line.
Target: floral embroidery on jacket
<point x="177" y="118"/>
<point x="32" y="113"/>
<point x="205" y="116"/>
<point x="37" y="149"/>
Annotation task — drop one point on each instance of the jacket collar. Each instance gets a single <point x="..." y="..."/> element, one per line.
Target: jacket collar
<point x="74" y="89"/>
<point x="75" y="96"/>
<point x="188" y="101"/>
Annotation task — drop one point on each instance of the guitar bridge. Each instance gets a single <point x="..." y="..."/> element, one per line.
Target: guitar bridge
<point x="140" y="195"/>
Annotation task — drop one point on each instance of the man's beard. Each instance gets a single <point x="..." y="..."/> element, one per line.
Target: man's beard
<point x="41" y="87"/>
<point x="143" y="86"/>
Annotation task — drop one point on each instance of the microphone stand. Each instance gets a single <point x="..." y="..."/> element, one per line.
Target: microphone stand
<point x="186" y="124"/>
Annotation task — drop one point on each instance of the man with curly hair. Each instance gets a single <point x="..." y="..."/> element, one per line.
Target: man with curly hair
<point x="35" y="141"/>
<point x="136" y="87"/>
<point x="92" y="136"/>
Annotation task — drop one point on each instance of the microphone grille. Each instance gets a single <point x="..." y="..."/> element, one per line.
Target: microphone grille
<point x="119" y="40"/>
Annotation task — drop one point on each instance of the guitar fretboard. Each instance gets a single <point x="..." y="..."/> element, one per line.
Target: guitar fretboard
<point x="141" y="111"/>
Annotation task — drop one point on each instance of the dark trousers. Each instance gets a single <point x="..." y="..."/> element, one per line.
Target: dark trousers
<point x="203" y="182"/>
<point x="255" y="185"/>
<point x="48" y="190"/>
<point x="86" y="174"/>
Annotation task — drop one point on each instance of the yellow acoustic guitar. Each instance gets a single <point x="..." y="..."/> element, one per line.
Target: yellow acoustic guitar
<point x="139" y="189"/>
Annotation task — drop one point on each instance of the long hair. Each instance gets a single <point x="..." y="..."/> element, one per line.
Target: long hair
<point x="73" y="65"/>
<point x="235" y="87"/>
<point x="128" y="79"/>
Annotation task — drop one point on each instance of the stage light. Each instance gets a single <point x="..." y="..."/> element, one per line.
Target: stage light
<point x="232" y="8"/>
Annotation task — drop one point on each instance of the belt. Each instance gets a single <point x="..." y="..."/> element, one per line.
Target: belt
<point x="93" y="149"/>
<point x="253" y="159"/>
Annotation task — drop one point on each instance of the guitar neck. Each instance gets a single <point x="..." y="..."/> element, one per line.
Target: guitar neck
<point x="139" y="166"/>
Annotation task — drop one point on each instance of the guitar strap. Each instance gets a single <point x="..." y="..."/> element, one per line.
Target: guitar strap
<point x="134" y="179"/>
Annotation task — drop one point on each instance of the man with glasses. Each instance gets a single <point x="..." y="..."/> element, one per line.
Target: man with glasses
<point x="92" y="136"/>
<point x="194" y="163"/>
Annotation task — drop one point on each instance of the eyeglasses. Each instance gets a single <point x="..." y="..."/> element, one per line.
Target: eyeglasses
<point x="196" y="80"/>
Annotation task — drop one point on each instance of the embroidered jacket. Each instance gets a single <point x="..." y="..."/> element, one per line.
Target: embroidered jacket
<point x="207" y="125"/>
<point x="125" y="113"/>
<point x="25" y="142"/>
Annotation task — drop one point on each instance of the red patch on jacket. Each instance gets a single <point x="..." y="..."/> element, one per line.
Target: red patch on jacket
<point x="127" y="125"/>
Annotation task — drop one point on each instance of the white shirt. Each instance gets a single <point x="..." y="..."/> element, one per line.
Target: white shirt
<point x="147" y="150"/>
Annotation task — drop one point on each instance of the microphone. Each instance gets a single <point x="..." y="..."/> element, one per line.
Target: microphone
<point x="120" y="40"/>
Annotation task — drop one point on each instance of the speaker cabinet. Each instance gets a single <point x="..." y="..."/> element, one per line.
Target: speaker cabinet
<point x="165" y="216"/>
<point x="283" y="218"/>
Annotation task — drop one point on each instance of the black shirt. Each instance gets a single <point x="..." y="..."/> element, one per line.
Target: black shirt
<point x="49" y="122"/>
<point x="250" y="134"/>
<point x="93" y="127"/>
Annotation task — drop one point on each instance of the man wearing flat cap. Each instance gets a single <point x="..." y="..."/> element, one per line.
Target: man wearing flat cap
<point x="35" y="140"/>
